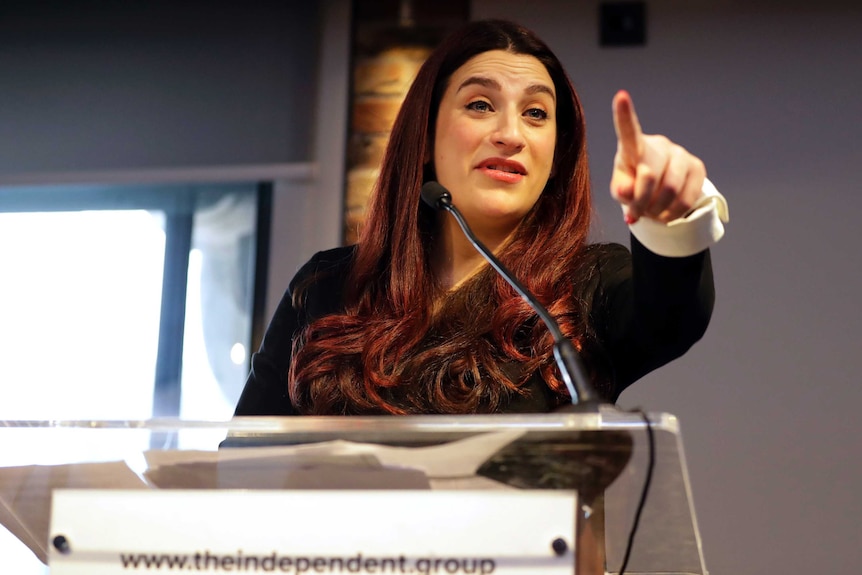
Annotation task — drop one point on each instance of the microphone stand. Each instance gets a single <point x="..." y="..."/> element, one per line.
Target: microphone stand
<point x="584" y="398"/>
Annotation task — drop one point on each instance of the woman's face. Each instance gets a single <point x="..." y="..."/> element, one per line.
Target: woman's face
<point x="494" y="138"/>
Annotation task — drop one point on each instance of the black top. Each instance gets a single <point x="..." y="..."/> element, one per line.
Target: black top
<point x="646" y="310"/>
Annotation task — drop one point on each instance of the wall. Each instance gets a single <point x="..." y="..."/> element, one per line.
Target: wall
<point x="307" y="214"/>
<point x="767" y="94"/>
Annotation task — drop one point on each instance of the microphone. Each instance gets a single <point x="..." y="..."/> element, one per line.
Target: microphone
<point x="572" y="369"/>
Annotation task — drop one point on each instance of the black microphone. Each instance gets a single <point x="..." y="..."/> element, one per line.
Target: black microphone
<point x="571" y="368"/>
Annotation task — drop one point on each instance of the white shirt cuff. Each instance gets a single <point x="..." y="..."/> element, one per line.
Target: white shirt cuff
<point x="692" y="233"/>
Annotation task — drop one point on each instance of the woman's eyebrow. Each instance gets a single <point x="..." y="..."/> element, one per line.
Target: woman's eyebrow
<point x="494" y="84"/>
<point x="540" y="89"/>
<point x="481" y="81"/>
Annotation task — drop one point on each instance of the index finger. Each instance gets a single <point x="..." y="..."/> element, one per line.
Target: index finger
<point x="628" y="128"/>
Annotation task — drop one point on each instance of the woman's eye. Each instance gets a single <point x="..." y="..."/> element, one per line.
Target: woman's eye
<point x="479" y="106"/>
<point x="536" y="114"/>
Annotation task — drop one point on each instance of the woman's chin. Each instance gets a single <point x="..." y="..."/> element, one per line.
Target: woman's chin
<point x="498" y="219"/>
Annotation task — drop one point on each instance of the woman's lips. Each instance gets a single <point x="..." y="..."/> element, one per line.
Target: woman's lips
<point x="502" y="170"/>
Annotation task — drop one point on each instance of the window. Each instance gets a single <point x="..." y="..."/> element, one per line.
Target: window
<point x="127" y="302"/>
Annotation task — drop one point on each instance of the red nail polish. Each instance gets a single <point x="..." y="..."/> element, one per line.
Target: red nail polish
<point x="630" y="219"/>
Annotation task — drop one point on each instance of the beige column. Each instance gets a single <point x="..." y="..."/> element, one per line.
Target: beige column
<point x="391" y="41"/>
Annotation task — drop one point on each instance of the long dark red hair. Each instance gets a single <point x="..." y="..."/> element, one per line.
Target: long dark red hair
<point x="387" y="353"/>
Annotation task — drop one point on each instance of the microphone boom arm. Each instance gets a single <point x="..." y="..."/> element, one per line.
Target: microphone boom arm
<point x="571" y="368"/>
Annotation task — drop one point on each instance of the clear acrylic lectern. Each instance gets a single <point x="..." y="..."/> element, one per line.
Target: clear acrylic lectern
<point x="601" y="457"/>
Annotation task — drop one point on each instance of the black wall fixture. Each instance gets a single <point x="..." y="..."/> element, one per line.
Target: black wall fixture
<point x="622" y="24"/>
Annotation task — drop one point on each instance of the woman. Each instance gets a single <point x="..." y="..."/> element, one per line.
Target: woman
<point x="411" y="320"/>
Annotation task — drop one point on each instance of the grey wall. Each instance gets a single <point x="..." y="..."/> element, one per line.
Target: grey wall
<point x="307" y="215"/>
<point x="767" y="94"/>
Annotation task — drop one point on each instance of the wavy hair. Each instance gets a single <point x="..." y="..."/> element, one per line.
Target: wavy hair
<point x="387" y="352"/>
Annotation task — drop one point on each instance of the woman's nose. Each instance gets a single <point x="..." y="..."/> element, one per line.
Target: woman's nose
<point x="508" y="134"/>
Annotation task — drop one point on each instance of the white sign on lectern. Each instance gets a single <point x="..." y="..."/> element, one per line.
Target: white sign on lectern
<point x="98" y="532"/>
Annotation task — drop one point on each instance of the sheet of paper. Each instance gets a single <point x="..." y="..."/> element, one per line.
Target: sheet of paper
<point x="459" y="458"/>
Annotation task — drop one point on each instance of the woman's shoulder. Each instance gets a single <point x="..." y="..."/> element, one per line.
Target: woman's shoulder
<point x="607" y="250"/>
<point x="330" y="263"/>
<point x="604" y="268"/>
<point x="317" y="289"/>
<point x="607" y="256"/>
